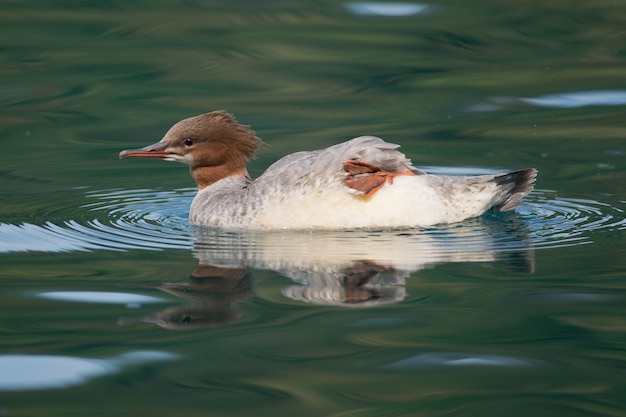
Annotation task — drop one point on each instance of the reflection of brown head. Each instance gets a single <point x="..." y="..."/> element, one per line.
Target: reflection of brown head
<point x="213" y="293"/>
<point x="193" y="316"/>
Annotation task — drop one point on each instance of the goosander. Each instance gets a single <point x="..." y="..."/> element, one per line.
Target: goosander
<point x="362" y="183"/>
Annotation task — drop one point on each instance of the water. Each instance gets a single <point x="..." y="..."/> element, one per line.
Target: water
<point x="112" y="303"/>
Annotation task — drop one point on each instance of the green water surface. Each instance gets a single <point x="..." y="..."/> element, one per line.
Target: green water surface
<point x="112" y="304"/>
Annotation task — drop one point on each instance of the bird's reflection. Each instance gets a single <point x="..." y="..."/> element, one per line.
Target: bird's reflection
<point x="348" y="268"/>
<point x="211" y="293"/>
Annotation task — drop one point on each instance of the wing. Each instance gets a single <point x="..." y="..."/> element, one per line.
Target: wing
<point x="363" y="165"/>
<point x="376" y="163"/>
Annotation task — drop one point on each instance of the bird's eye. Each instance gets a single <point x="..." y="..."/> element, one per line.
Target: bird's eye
<point x="188" y="142"/>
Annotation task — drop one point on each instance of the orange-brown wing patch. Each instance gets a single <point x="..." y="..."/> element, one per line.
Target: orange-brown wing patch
<point x="368" y="178"/>
<point x="368" y="184"/>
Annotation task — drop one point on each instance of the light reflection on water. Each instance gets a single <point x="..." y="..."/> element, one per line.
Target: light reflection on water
<point x="19" y="372"/>
<point x="104" y="297"/>
<point x="387" y="9"/>
<point x="438" y="360"/>
<point x="563" y="100"/>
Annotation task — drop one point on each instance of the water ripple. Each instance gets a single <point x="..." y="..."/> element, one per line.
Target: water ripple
<point x="557" y="221"/>
<point x="155" y="220"/>
<point x="114" y="220"/>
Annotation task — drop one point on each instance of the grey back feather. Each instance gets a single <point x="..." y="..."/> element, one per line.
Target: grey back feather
<point x="327" y="164"/>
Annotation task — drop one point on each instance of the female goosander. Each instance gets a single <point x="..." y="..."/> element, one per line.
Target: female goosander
<point x="362" y="183"/>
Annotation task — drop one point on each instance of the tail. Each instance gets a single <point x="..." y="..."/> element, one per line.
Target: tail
<point x="513" y="187"/>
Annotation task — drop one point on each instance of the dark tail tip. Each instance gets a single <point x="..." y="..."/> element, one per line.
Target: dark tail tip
<point x="515" y="186"/>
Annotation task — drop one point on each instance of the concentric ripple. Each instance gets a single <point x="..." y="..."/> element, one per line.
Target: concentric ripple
<point x="555" y="221"/>
<point x="154" y="220"/>
<point x="111" y="220"/>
